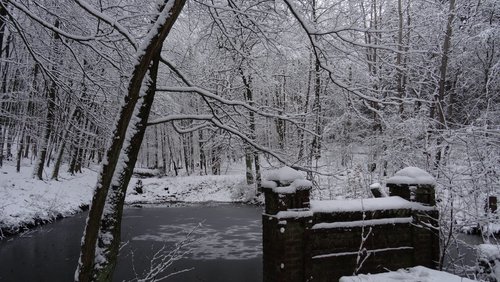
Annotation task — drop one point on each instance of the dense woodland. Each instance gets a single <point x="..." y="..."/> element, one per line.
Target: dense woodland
<point x="358" y="89"/>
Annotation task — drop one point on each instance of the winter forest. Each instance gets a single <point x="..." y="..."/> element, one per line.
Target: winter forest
<point x="345" y="91"/>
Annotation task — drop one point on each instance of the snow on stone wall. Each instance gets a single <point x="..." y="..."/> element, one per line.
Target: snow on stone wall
<point x="370" y="204"/>
<point x="413" y="274"/>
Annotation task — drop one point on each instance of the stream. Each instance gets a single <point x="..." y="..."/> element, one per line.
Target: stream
<point x="220" y="242"/>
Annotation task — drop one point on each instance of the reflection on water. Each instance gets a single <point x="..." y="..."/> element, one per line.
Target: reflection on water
<point x="238" y="241"/>
<point x="224" y="245"/>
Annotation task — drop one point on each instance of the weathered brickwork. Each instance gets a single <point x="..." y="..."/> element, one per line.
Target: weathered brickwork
<point x="424" y="193"/>
<point x="302" y="245"/>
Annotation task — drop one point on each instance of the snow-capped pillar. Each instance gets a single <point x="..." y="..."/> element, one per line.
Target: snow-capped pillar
<point x="286" y="189"/>
<point x="413" y="184"/>
<point x="416" y="185"/>
<point x="285" y="222"/>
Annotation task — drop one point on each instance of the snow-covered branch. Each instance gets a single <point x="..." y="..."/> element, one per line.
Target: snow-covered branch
<point x="207" y="94"/>
<point x="110" y="21"/>
<point x="47" y="25"/>
<point x="171" y="118"/>
<point x="311" y="33"/>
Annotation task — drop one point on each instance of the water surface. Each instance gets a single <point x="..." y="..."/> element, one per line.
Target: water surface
<point x="221" y="242"/>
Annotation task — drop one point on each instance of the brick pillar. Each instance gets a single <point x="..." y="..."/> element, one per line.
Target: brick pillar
<point x="413" y="184"/>
<point x="286" y="218"/>
<point x="491" y="205"/>
<point x="416" y="185"/>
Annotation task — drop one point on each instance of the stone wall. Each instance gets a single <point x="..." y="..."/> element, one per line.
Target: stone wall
<point x="322" y="241"/>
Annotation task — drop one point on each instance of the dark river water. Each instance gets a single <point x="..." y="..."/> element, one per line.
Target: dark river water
<point x="224" y="244"/>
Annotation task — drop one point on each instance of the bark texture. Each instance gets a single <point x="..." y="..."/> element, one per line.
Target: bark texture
<point x="86" y="261"/>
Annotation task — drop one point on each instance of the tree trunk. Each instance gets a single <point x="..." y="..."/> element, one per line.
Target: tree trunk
<point x="3" y="120"/>
<point x="76" y="146"/>
<point x="399" y="63"/>
<point x="172" y="157"/>
<point x="256" y="162"/>
<point x="439" y="98"/>
<point x="27" y="147"/>
<point x="163" y="150"/>
<point x="88" y="268"/>
<point x="57" y="164"/>
<point x="316" y="106"/>
<point x="3" y="16"/>
<point x="316" y="142"/>
<point x="215" y="159"/>
<point x="42" y="152"/>
<point x="49" y="119"/>
<point x="306" y="108"/>
<point x="20" y="150"/>
<point x="60" y="151"/>
<point x="185" y="150"/>
<point x="156" y="147"/>
<point x="109" y="237"/>
<point x="191" y="152"/>
<point x="203" y="160"/>
<point x="248" y="164"/>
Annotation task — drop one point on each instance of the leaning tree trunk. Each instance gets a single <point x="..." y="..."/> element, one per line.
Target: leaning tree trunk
<point x="108" y="243"/>
<point x="111" y="186"/>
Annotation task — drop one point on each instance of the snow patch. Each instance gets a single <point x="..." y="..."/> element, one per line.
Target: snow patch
<point x="298" y="184"/>
<point x="413" y="274"/>
<point x="371" y="204"/>
<point x="302" y="184"/>
<point x="284" y="175"/>
<point x="268" y="184"/>
<point x="25" y="201"/>
<point x="412" y="175"/>
<point x="489" y="251"/>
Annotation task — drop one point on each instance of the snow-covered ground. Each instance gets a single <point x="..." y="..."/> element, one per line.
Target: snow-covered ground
<point x="25" y="201"/>
<point x="413" y="274"/>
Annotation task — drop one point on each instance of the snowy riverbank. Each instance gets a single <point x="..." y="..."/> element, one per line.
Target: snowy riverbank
<point x="193" y="189"/>
<point x="26" y="202"/>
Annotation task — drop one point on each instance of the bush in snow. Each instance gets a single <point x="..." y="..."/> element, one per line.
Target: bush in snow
<point x="138" y="188"/>
<point x="244" y="192"/>
<point x="356" y="183"/>
<point x="488" y="263"/>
